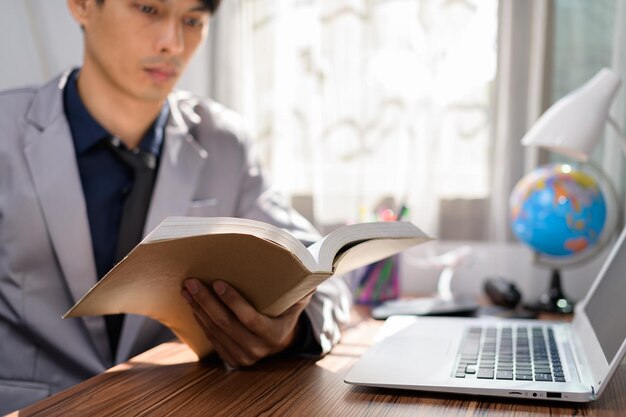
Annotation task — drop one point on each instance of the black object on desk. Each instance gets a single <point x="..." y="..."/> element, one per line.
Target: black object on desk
<point x="506" y="313"/>
<point x="506" y="299"/>
<point x="502" y="292"/>
<point x="432" y="306"/>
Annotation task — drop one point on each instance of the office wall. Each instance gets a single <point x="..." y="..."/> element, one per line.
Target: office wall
<point x="37" y="39"/>
<point x="421" y="266"/>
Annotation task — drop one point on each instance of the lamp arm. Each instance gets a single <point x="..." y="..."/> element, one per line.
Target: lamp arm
<point x="620" y="133"/>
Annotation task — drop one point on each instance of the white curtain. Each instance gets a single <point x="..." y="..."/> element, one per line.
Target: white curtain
<point x="520" y="99"/>
<point x="354" y="101"/>
<point x="351" y="101"/>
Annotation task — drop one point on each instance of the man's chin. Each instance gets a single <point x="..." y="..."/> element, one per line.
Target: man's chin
<point x="154" y="94"/>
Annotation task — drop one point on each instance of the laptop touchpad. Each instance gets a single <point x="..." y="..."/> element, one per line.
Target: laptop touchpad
<point x="406" y="354"/>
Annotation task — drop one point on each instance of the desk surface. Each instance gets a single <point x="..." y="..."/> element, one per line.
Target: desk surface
<point x="167" y="380"/>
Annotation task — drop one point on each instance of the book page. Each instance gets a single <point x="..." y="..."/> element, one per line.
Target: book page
<point x="328" y="250"/>
<point x="178" y="227"/>
<point x="372" y="250"/>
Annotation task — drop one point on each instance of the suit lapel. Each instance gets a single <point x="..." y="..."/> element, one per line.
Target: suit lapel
<point x="180" y="167"/>
<point x="50" y="155"/>
<point x="179" y="171"/>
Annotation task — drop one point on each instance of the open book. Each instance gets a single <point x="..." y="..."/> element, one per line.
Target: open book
<point x="267" y="265"/>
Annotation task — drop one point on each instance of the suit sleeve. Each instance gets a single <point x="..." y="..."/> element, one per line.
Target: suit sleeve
<point x="330" y="305"/>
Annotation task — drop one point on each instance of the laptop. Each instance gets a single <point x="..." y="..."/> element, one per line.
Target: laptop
<point x="533" y="359"/>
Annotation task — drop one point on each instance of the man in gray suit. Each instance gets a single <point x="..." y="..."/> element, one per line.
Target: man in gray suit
<point x="65" y="186"/>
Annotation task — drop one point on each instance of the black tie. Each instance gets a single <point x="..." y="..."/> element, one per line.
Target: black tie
<point x="143" y="165"/>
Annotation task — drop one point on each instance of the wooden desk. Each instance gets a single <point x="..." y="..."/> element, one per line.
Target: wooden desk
<point x="167" y="381"/>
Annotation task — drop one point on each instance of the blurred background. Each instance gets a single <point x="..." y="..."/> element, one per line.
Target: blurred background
<point x="363" y="104"/>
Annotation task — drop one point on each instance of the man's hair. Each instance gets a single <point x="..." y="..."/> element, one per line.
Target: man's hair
<point x="211" y="5"/>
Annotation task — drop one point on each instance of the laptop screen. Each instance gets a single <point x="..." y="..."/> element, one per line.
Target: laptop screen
<point x="606" y="307"/>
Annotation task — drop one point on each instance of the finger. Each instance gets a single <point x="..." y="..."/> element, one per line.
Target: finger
<point x="243" y="346"/>
<point x="228" y="349"/>
<point x="249" y="341"/>
<point x="272" y="335"/>
<point x="212" y="305"/>
<point x="241" y="354"/>
<point x="257" y="323"/>
<point x="224" y="348"/>
<point x="217" y="345"/>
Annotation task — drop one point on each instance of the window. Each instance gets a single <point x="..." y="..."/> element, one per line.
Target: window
<point x="353" y="102"/>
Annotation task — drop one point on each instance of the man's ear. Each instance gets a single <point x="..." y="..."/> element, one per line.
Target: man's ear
<point x="80" y="9"/>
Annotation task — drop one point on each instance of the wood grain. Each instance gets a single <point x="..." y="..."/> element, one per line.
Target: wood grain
<point x="167" y="381"/>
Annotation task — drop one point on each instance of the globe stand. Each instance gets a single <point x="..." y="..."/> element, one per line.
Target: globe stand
<point x="593" y="234"/>
<point x="554" y="300"/>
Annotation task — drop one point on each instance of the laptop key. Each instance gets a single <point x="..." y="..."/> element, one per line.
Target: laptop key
<point x="520" y="353"/>
<point x="484" y="373"/>
<point x="504" y="375"/>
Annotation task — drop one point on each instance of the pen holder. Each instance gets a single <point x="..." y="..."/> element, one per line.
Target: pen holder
<point x="378" y="282"/>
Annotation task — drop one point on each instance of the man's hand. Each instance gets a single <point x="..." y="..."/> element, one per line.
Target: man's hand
<point x="239" y="333"/>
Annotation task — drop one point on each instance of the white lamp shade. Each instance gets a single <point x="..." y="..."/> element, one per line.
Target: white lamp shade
<point x="574" y="124"/>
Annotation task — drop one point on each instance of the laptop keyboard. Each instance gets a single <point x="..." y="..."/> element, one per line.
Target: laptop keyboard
<point x="523" y="353"/>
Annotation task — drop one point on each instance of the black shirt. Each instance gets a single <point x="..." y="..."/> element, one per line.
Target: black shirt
<point x="106" y="180"/>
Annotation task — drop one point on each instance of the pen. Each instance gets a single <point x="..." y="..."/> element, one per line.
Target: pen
<point x="385" y="273"/>
<point x="404" y="210"/>
<point x="365" y="294"/>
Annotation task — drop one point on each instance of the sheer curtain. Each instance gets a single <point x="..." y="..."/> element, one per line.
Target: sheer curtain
<point x="598" y="41"/>
<point x="524" y="33"/>
<point x="356" y="101"/>
<point x="353" y="101"/>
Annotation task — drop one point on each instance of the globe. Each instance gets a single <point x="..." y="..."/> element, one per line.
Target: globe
<point x="558" y="210"/>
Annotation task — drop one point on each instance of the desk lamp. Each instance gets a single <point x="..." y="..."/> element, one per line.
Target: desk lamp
<point x="574" y="124"/>
<point x="571" y="127"/>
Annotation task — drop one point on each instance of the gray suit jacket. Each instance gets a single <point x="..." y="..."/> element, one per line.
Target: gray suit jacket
<point x="46" y="259"/>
